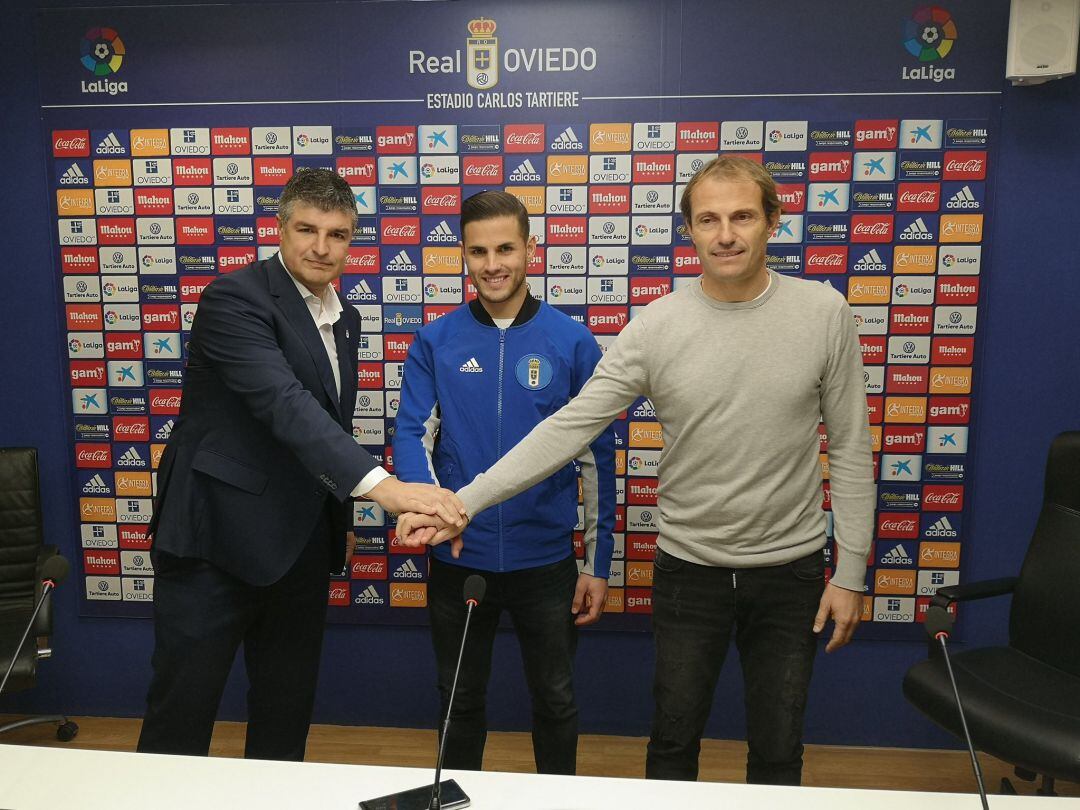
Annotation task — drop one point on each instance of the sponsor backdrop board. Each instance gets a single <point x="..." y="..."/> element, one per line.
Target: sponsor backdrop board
<point x="168" y="163"/>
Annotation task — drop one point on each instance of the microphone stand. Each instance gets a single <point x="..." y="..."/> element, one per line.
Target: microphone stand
<point x="46" y="587"/>
<point x="943" y="619"/>
<point x="436" y="788"/>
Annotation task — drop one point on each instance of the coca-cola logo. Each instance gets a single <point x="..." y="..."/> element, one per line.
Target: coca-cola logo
<point x="484" y="170"/>
<point x="898" y="525"/>
<point x="918" y="197"/>
<point x="403" y="231"/>
<point x="93" y="455"/>
<point x="71" y="144"/>
<point x="825" y="260"/>
<point x="875" y="228"/>
<point x="524" y="139"/>
<point x="942" y="498"/>
<point x="971" y="165"/>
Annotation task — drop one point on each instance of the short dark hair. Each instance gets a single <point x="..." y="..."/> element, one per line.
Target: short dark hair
<point x="492" y="204"/>
<point x="730" y="167"/>
<point x="320" y="188"/>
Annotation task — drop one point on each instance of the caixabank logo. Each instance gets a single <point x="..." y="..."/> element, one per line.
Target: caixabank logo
<point x="102" y="53"/>
<point x="929" y="36"/>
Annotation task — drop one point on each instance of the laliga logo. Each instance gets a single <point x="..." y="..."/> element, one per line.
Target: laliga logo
<point x="102" y="53"/>
<point x="929" y="36"/>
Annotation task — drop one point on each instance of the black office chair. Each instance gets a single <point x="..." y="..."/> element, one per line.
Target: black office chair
<point x="22" y="556"/>
<point x="1022" y="701"/>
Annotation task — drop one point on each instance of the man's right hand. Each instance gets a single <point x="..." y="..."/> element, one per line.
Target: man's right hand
<point x="415" y="530"/>
<point x="429" y="500"/>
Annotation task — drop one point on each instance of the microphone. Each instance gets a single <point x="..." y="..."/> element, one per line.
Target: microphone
<point x="441" y="795"/>
<point x="939" y="624"/>
<point x="53" y="572"/>
<point x="473" y="593"/>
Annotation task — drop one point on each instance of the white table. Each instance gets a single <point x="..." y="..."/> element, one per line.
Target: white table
<point x="46" y="778"/>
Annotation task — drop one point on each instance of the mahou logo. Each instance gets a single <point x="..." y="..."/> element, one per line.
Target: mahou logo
<point x="697" y="136"/>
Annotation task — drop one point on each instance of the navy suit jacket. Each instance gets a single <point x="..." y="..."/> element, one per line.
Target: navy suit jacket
<point x="263" y="441"/>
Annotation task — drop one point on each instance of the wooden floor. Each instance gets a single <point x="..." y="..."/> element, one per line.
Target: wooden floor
<point x="598" y="755"/>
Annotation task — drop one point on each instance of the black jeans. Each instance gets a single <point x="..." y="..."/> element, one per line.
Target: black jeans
<point x="538" y="601"/>
<point x="771" y="611"/>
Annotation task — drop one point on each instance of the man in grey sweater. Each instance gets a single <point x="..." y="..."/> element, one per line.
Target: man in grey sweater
<point x="740" y="367"/>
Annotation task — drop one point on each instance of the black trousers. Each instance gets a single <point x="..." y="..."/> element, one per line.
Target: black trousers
<point x="201" y="617"/>
<point x="770" y="611"/>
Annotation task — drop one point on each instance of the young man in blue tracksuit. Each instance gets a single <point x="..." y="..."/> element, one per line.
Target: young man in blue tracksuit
<point x="476" y="381"/>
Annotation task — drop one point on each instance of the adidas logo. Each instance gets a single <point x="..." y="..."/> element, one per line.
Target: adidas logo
<point x="441" y="233"/>
<point x="525" y="173"/>
<point x="130" y="458"/>
<point x="361" y="292"/>
<point x="402" y="262"/>
<point x="408" y="571"/>
<point x="917" y="230"/>
<point x="897" y="555"/>
<point x="74" y="177"/>
<point x="95" y="486"/>
<point x="471" y="366"/>
<point x="567" y="139"/>
<point x="165" y="431"/>
<point x="941" y="528"/>
<point x="370" y="596"/>
<point x="871" y="262"/>
<point x="962" y="199"/>
<point x="110" y="145"/>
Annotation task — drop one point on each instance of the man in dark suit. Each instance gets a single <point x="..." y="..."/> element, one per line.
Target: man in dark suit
<point x="254" y="487"/>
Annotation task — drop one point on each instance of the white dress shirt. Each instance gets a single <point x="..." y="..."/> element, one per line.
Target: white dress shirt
<point x="325" y="312"/>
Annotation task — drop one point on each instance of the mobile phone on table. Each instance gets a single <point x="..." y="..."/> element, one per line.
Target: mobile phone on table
<point x="450" y="798"/>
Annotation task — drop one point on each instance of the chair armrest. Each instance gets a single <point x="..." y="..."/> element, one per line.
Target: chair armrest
<point x="43" y="623"/>
<point x="971" y="591"/>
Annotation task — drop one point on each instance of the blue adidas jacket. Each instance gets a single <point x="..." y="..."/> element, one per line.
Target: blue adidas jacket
<point x="470" y="392"/>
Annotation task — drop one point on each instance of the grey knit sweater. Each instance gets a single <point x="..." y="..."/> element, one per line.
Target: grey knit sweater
<point x="738" y="389"/>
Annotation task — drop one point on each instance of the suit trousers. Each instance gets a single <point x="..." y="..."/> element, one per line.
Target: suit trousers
<point x="202" y="615"/>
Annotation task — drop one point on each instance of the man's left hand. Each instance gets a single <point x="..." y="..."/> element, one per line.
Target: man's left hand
<point x="844" y="607"/>
<point x="590" y="595"/>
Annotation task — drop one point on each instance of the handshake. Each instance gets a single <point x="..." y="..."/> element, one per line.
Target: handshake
<point x="427" y="514"/>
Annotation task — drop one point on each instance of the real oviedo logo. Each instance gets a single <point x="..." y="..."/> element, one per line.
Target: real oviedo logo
<point x="102" y="53"/>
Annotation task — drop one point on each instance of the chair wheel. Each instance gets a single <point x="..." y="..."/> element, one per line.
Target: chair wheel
<point x="67" y="732"/>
